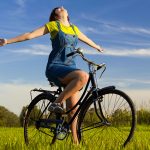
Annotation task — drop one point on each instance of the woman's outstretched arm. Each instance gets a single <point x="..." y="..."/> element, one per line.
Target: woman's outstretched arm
<point x="82" y="37"/>
<point x="26" y="36"/>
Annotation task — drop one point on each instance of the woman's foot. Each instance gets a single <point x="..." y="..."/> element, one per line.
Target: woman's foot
<point x="56" y="108"/>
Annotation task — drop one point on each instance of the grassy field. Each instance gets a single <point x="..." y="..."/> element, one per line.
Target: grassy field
<point x="12" y="139"/>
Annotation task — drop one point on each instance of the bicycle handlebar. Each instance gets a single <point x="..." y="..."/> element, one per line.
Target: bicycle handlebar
<point x="79" y="51"/>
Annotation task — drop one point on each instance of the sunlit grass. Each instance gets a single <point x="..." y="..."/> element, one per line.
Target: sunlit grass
<point x="12" y="139"/>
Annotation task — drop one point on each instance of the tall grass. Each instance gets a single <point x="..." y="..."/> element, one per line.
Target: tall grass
<point x="12" y="139"/>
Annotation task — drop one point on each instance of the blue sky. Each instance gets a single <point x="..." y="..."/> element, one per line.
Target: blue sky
<point x="121" y="27"/>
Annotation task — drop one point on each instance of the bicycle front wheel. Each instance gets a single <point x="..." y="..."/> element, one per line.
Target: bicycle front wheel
<point x="37" y="127"/>
<point x="108" y="120"/>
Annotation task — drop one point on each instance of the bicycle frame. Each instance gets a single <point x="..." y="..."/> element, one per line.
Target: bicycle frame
<point x="93" y="91"/>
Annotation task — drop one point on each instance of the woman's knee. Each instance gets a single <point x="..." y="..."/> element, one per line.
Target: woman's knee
<point x="83" y="77"/>
<point x="79" y="75"/>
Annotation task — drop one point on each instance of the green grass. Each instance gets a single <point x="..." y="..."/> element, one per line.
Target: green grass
<point x="12" y="139"/>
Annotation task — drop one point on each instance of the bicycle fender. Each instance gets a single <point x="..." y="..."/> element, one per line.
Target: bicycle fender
<point x="108" y="88"/>
<point x="98" y="92"/>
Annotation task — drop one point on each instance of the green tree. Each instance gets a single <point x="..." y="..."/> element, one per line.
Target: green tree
<point x="7" y="118"/>
<point x="143" y="117"/>
<point x="22" y="115"/>
<point x="34" y="115"/>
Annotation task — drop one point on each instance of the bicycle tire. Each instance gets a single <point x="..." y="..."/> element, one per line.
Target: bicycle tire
<point x="118" y="119"/>
<point x="38" y="109"/>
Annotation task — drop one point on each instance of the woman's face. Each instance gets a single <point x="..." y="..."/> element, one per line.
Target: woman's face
<point x="61" y="12"/>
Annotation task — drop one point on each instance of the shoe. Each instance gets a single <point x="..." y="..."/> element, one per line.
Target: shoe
<point x="56" y="108"/>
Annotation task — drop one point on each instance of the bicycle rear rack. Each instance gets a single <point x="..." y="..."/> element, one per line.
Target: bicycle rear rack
<point x="55" y="92"/>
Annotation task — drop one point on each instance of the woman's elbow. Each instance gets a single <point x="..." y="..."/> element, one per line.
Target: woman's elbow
<point x="28" y="36"/>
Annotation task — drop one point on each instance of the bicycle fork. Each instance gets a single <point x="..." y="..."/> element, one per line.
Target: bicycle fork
<point x="98" y="107"/>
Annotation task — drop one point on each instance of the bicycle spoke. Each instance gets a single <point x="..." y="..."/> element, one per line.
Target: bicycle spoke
<point x="36" y="124"/>
<point x="92" y="126"/>
<point x="31" y="137"/>
<point x="117" y="113"/>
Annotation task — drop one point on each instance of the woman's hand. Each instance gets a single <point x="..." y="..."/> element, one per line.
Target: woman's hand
<point x="3" y="42"/>
<point x="82" y="37"/>
<point x="99" y="48"/>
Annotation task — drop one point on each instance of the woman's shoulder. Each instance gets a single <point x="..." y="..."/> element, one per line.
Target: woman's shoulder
<point x="76" y="28"/>
<point x="52" y="25"/>
<point x="74" y="25"/>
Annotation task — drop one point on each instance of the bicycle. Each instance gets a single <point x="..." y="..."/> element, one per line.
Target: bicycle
<point x="103" y="114"/>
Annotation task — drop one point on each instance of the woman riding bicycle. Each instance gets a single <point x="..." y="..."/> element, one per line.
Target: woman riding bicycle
<point x="61" y="69"/>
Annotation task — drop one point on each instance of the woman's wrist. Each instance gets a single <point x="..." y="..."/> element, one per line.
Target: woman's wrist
<point x="99" y="48"/>
<point x="6" y="41"/>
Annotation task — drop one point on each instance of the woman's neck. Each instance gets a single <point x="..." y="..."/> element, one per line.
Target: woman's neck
<point x="64" y="21"/>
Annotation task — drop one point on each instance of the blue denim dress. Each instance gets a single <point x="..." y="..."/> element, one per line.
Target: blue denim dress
<point x="59" y="65"/>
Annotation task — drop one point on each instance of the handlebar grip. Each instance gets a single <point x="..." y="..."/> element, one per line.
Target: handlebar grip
<point x="70" y="54"/>
<point x="99" y="67"/>
<point x="102" y="65"/>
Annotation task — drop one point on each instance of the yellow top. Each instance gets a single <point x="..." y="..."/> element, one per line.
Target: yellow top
<point x="53" y="29"/>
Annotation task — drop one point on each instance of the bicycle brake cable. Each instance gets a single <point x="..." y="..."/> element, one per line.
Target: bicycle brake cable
<point x="102" y="72"/>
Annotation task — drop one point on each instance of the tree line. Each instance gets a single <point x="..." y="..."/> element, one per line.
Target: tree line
<point x="9" y="119"/>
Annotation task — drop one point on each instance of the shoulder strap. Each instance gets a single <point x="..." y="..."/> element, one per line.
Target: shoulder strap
<point x="73" y="29"/>
<point x="58" y="25"/>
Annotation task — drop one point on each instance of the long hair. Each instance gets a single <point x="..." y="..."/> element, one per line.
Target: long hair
<point x="53" y="15"/>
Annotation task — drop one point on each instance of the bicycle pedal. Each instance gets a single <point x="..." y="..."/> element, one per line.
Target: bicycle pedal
<point x="64" y="115"/>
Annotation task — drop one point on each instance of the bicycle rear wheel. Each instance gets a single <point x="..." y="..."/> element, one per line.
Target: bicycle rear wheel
<point x="108" y="120"/>
<point x="37" y="125"/>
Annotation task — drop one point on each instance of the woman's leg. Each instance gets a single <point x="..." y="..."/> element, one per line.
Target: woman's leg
<point x="69" y="104"/>
<point x="74" y="81"/>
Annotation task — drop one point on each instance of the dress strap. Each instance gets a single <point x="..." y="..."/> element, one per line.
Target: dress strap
<point x="73" y="29"/>
<point x="58" y="25"/>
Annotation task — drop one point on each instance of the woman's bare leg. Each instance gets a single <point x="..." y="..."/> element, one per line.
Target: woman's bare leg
<point x="74" y="81"/>
<point x="69" y="104"/>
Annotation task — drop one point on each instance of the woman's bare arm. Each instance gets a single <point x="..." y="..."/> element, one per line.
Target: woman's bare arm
<point x="27" y="36"/>
<point x="86" y="40"/>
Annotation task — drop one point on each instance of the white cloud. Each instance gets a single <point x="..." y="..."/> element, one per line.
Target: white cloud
<point x="134" y="43"/>
<point x="124" y="83"/>
<point x="21" y="3"/>
<point x="20" y="10"/>
<point x="133" y="30"/>
<point x="89" y="29"/>
<point x="15" y="96"/>
<point x="37" y="49"/>
<point x="108" y="26"/>
<point x="130" y="53"/>
<point x="121" y="52"/>
<point x="143" y="81"/>
<point x="140" y="97"/>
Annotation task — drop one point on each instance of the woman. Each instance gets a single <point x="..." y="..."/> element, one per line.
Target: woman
<point x="61" y="69"/>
